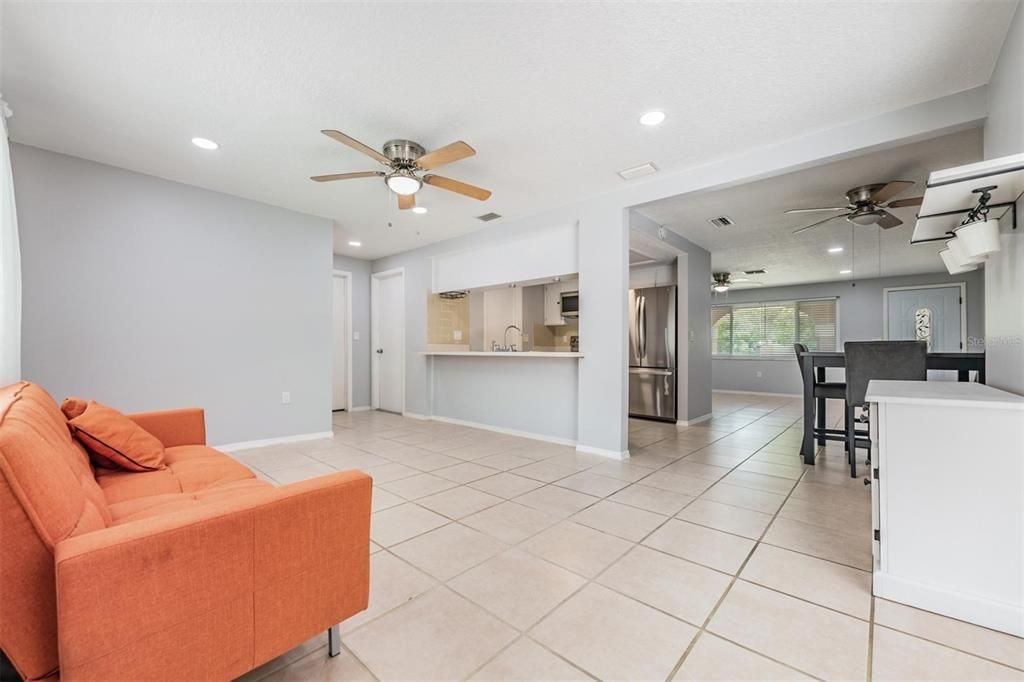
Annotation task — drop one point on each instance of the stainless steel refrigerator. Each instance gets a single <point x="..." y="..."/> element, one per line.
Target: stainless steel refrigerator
<point x="652" y="353"/>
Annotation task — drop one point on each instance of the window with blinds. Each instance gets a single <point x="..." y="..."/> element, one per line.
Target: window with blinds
<point x="769" y="330"/>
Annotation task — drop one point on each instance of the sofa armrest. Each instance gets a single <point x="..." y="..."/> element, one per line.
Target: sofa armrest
<point x="212" y="593"/>
<point x="186" y="426"/>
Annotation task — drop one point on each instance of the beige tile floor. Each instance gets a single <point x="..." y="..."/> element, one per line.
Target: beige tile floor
<point x="713" y="554"/>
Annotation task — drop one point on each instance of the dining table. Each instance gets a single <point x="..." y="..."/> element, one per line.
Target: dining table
<point x="813" y="365"/>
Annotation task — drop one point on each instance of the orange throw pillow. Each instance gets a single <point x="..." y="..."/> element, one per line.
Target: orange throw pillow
<point x="72" y="407"/>
<point x="114" y="440"/>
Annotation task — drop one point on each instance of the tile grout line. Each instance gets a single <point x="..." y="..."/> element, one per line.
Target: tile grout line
<point x="728" y="589"/>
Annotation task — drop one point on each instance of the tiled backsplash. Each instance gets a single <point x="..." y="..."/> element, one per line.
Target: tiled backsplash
<point x="554" y="338"/>
<point x="447" y="321"/>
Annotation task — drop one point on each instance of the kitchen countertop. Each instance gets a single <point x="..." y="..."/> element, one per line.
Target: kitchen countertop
<point x="502" y="354"/>
<point x="950" y="393"/>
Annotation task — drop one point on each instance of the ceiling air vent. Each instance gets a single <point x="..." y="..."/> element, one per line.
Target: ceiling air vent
<point x="488" y="217"/>
<point x="754" y="272"/>
<point x="638" y="171"/>
<point x="721" y="221"/>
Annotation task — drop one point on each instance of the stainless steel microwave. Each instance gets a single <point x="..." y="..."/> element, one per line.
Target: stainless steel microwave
<point x="571" y="304"/>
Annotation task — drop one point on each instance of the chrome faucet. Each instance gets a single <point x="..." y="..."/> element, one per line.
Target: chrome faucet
<point x="507" y="347"/>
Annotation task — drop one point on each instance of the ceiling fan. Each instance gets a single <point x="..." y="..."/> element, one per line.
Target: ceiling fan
<point x="867" y="205"/>
<point x="722" y="281"/>
<point x="406" y="162"/>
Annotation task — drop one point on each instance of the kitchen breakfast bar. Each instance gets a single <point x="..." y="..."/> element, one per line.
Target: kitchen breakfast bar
<point x="531" y="393"/>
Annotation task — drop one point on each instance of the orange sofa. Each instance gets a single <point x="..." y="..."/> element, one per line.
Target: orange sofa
<point x="199" y="571"/>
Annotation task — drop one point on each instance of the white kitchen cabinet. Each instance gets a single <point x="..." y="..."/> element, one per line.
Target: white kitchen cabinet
<point x="947" y="467"/>
<point x="553" y="305"/>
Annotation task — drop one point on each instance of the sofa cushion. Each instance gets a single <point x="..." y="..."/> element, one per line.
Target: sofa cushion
<point x="157" y="505"/>
<point x="190" y="469"/>
<point x="115" y="440"/>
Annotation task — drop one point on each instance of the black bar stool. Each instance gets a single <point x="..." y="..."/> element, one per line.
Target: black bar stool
<point x="867" y="360"/>
<point x="823" y="391"/>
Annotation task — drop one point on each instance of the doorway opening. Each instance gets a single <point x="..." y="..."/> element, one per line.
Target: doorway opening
<point x="341" y="341"/>
<point x="387" y="334"/>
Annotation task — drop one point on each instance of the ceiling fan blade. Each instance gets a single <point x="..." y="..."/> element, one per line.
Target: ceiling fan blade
<point x="888" y="220"/>
<point x="346" y="176"/>
<point x="406" y="201"/>
<point x="457" y="186"/>
<point x="890" y="190"/>
<point x="900" y="203"/>
<point x="357" y="145"/>
<point x="810" y="210"/>
<point x="446" y="154"/>
<point x="820" y="222"/>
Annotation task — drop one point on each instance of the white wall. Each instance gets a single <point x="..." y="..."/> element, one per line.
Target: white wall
<point x="1004" y="271"/>
<point x="148" y="294"/>
<point x="861" y="318"/>
<point x="361" y="355"/>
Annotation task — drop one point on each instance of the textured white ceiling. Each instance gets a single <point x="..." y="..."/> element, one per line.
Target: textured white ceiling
<point x="763" y="234"/>
<point x="547" y="93"/>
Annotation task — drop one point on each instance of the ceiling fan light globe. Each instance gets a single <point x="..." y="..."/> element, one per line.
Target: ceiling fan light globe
<point x="403" y="183"/>
<point x="721" y="288"/>
<point x="867" y="218"/>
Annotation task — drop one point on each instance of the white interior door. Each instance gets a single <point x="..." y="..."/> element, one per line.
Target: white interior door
<point x="930" y="314"/>
<point x="339" y="354"/>
<point x="389" y="342"/>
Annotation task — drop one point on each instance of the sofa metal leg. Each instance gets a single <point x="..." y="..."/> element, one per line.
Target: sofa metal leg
<point x="334" y="641"/>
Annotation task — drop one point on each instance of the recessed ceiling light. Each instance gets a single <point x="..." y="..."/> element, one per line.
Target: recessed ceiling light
<point x="419" y="209"/>
<point x="845" y="272"/>
<point x="652" y="118"/>
<point x="354" y="243"/>
<point x="836" y="249"/>
<point x="203" y="143"/>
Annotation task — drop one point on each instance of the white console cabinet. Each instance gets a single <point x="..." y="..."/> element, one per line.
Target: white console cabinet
<point x="947" y="461"/>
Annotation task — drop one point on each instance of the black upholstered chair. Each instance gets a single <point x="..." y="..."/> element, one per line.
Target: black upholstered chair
<point x="823" y="391"/>
<point x="867" y="360"/>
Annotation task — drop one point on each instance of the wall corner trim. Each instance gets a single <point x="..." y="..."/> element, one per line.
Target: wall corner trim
<point x="601" y="452"/>
<point x="249" y="444"/>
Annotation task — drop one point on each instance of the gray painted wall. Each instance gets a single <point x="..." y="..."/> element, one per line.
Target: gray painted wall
<point x="360" y="293"/>
<point x="695" y="322"/>
<point x="531" y="395"/>
<point x="1004" y="271"/>
<point x="148" y="294"/>
<point x="860" y="319"/>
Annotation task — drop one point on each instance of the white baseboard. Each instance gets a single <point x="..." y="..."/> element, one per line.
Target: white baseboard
<point x="416" y="415"/>
<point x="1001" y="616"/>
<point x="497" y="429"/>
<point x="361" y="408"/>
<point x="691" y="422"/>
<point x="601" y="452"/>
<point x="774" y="395"/>
<point x="249" y="444"/>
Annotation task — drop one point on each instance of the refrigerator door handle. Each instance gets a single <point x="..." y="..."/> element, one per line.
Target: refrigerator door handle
<point x="636" y="325"/>
<point x="643" y="328"/>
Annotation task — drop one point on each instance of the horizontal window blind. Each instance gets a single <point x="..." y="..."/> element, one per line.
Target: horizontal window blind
<point x="769" y="330"/>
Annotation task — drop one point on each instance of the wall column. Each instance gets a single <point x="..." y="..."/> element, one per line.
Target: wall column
<point x="604" y="283"/>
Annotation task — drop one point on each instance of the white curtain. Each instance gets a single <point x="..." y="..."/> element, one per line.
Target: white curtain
<point x="10" y="265"/>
